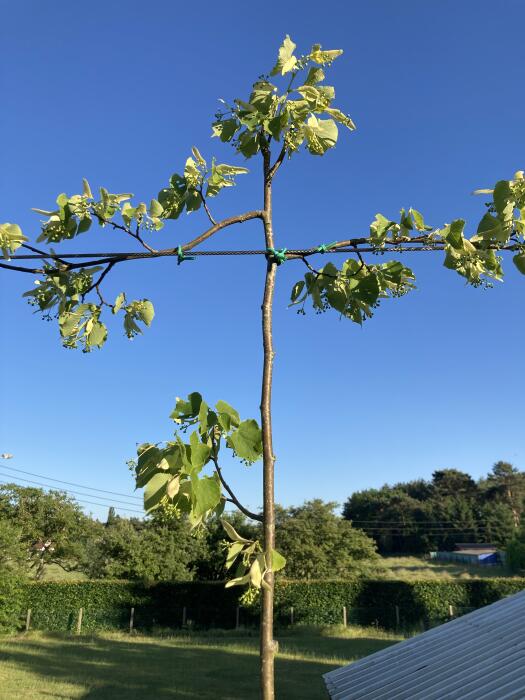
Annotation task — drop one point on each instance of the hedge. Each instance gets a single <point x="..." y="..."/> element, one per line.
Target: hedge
<point x="106" y="604"/>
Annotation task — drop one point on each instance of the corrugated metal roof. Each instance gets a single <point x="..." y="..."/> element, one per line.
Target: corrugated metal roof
<point x="480" y="656"/>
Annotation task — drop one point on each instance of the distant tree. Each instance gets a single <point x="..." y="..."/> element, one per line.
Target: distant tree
<point x="147" y="551"/>
<point x="53" y="528"/>
<point x="452" y="482"/>
<point x="515" y="552"/>
<point x="12" y="573"/>
<point x="508" y="483"/>
<point x="319" y="544"/>
<point x="13" y="554"/>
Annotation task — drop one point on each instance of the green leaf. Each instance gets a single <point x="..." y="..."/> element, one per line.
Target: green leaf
<point x="186" y="409"/>
<point x="86" y="189"/>
<point x="246" y="441"/>
<point x="286" y="61"/>
<point x="119" y="301"/>
<point x="155" y="490"/>
<point x="84" y="224"/>
<point x="155" y="208"/>
<point x="323" y="57"/>
<point x="232" y="533"/>
<point x="196" y="154"/>
<point x="321" y="134"/>
<point x="11" y="238"/>
<point x="226" y="129"/>
<point x="315" y="75"/>
<point x="278" y="561"/>
<point x="224" y="408"/>
<point x="257" y="571"/>
<point x="342" y="118"/>
<point x="200" y="453"/>
<point x="296" y="291"/>
<point x="419" y="221"/>
<point x="239" y="581"/>
<point x="519" y="261"/>
<point x="206" y="494"/>
<point x="139" y="310"/>
<point x="173" y="486"/>
<point x="233" y="552"/>
<point x="379" y="229"/>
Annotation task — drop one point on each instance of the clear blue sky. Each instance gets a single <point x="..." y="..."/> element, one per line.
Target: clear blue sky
<point x="119" y="92"/>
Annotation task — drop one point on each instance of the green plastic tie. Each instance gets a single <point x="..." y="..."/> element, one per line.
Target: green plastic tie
<point x="325" y="247"/>
<point x="278" y="256"/>
<point x="181" y="256"/>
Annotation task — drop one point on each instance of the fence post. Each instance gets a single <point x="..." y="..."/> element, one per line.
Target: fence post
<point x="131" y="619"/>
<point x="184" y="616"/>
<point x="451" y="611"/>
<point x="344" y="615"/>
<point x="291" y="615"/>
<point x="28" y="620"/>
<point x="397" y="617"/>
<point x="79" y="620"/>
<point x="237" y="617"/>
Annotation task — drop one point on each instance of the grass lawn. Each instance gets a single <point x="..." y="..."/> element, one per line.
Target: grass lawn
<point x="410" y="568"/>
<point x="183" y="666"/>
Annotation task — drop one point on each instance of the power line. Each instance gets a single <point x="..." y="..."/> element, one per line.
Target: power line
<point x="70" y="483"/>
<point x="47" y="486"/>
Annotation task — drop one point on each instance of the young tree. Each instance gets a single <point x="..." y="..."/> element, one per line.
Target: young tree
<point x="271" y="124"/>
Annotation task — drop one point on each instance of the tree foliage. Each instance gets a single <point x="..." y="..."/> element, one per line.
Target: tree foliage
<point x="51" y="527"/>
<point x="318" y="544"/>
<point x="417" y="517"/>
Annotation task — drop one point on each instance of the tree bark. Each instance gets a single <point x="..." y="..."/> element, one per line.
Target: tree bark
<point x="267" y="641"/>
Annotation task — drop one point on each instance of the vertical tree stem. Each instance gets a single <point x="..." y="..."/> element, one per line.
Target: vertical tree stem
<point x="267" y="642"/>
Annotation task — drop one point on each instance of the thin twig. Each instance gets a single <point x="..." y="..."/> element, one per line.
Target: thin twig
<point x="127" y="230"/>
<point x="206" y="208"/>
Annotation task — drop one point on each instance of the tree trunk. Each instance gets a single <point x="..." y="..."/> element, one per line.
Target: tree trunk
<point x="267" y="642"/>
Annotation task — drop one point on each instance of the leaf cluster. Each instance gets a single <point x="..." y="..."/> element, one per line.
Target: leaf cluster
<point x="172" y="475"/>
<point x="354" y="290"/>
<point x="296" y="116"/>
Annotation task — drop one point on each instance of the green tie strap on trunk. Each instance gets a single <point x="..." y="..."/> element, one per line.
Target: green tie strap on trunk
<point x="277" y="256"/>
<point x="325" y="247"/>
<point x="181" y="256"/>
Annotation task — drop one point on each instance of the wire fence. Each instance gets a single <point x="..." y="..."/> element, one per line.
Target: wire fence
<point x="147" y="619"/>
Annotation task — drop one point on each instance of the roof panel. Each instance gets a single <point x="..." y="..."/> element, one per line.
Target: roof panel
<point x="480" y="656"/>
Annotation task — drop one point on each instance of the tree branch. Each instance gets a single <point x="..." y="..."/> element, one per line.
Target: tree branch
<point x="17" y="268"/>
<point x="275" y="167"/>
<point x="233" y="498"/>
<point x="206" y="208"/>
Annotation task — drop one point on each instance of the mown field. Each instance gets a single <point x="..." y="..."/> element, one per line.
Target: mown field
<point x="412" y="568"/>
<point x="184" y="666"/>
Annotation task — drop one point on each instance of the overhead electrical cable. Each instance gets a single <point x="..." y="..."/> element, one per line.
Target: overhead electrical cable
<point x="70" y="483"/>
<point x="75" y="493"/>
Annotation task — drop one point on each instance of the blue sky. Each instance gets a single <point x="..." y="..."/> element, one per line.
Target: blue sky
<point x="119" y="93"/>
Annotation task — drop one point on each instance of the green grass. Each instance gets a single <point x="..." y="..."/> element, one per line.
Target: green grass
<point x="183" y="666"/>
<point x="411" y="568"/>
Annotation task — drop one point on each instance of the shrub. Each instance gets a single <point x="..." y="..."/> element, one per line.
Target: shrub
<point x="107" y="604"/>
<point x="12" y="594"/>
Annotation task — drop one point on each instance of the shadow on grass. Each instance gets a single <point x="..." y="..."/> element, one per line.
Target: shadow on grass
<point x="109" y="669"/>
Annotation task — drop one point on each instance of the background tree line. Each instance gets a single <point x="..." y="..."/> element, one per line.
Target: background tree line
<point x="47" y="531"/>
<point x="419" y="516"/>
<point x="44" y="531"/>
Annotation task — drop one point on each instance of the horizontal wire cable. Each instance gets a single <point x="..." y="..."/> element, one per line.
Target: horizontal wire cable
<point x="174" y="253"/>
<point x="70" y="483"/>
<point x="76" y="493"/>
